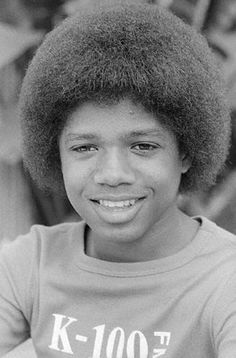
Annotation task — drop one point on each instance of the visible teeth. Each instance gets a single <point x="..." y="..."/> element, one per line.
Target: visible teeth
<point x="117" y="204"/>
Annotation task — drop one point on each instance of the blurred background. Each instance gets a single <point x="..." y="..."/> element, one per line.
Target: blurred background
<point x="23" y="25"/>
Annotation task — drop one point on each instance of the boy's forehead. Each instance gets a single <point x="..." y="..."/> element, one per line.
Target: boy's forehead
<point x="123" y="120"/>
<point x="122" y="106"/>
<point x="122" y="115"/>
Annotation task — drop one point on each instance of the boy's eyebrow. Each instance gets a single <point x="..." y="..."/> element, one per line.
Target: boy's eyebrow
<point x="131" y="134"/>
<point x="145" y="132"/>
<point x="81" y="136"/>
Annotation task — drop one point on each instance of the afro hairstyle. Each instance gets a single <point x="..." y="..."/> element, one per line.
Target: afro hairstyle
<point x="138" y="51"/>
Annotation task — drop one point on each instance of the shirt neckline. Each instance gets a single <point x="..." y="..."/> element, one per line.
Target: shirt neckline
<point x="144" y="268"/>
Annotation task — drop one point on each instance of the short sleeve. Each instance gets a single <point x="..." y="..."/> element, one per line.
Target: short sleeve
<point x="17" y="281"/>
<point x="224" y="320"/>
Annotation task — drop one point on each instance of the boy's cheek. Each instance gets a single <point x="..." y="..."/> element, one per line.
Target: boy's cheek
<point x="76" y="176"/>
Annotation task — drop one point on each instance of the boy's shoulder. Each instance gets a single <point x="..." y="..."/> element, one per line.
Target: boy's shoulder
<point x="41" y="240"/>
<point x="218" y="242"/>
<point x="216" y="231"/>
<point x="55" y="232"/>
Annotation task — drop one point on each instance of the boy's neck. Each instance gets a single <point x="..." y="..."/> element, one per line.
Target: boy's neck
<point x="169" y="236"/>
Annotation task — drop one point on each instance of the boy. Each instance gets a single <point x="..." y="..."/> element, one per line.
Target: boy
<point x="122" y="108"/>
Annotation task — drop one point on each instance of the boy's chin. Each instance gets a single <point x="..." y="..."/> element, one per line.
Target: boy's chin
<point x="118" y="234"/>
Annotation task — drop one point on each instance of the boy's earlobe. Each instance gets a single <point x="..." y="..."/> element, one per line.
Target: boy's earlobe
<point x="186" y="163"/>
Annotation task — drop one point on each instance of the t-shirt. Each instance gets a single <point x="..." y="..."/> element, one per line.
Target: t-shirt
<point x="71" y="304"/>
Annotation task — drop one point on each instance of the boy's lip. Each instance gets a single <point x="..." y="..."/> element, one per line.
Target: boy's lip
<point x="118" y="214"/>
<point x="115" y="198"/>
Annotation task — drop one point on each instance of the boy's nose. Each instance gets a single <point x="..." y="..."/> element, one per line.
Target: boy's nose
<point x="114" y="169"/>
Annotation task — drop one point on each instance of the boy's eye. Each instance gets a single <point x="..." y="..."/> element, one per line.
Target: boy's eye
<point x="144" y="147"/>
<point x="84" y="148"/>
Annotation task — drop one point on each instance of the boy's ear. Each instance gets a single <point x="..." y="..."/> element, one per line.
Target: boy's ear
<point x="186" y="163"/>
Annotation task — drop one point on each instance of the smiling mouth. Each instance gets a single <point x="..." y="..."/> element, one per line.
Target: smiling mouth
<point x="122" y="204"/>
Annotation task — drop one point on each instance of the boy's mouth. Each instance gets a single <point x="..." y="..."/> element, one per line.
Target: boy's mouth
<point x="117" y="204"/>
<point x="114" y="211"/>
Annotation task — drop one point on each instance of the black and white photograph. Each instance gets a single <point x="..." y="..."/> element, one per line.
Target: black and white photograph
<point x="117" y="178"/>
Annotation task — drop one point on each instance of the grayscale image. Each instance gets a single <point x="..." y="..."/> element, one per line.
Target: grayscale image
<point x="118" y="178"/>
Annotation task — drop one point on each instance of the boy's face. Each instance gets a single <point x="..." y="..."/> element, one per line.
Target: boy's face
<point x="121" y="169"/>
